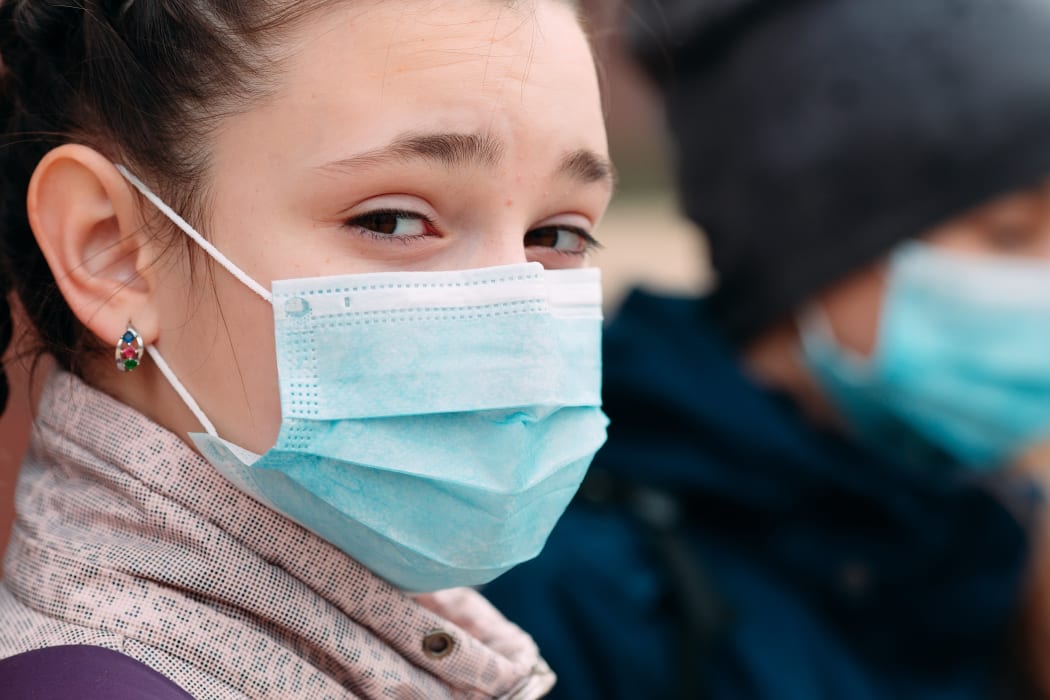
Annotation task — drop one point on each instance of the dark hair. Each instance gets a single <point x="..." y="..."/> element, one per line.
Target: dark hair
<point x="141" y="81"/>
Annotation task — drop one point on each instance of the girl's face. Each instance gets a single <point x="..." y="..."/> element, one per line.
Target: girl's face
<point x="403" y="135"/>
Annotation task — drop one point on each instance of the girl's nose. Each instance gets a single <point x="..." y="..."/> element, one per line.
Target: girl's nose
<point x="505" y="246"/>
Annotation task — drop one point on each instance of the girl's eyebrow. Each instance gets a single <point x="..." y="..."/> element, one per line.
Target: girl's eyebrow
<point x="448" y="149"/>
<point x="588" y="167"/>
<point x="458" y="150"/>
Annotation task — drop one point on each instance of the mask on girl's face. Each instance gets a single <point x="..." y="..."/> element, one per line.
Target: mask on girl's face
<point x="962" y="363"/>
<point x="434" y="425"/>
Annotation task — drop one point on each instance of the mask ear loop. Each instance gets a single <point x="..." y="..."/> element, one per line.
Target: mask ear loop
<point x="191" y="404"/>
<point x="218" y="257"/>
<point x="817" y="339"/>
<point x="197" y="238"/>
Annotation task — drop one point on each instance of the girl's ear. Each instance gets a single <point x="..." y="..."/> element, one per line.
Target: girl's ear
<point x="88" y="223"/>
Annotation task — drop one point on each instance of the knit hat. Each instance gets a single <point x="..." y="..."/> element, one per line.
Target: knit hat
<point x="814" y="135"/>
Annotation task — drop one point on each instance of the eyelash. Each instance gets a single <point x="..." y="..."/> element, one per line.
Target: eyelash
<point x="427" y="222"/>
<point x="590" y="242"/>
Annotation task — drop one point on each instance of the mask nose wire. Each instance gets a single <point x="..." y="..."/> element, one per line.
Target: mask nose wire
<point x="200" y="240"/>
<point x="218" y="257"/>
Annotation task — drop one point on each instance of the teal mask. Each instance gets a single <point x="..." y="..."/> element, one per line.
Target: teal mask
<point x="962" y="362"/>
<point x="434" y="425"/>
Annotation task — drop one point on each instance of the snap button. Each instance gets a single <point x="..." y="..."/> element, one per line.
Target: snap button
<point x="438" y="644"/>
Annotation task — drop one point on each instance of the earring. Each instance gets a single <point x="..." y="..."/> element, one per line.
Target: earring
<point x="129" y="350"/>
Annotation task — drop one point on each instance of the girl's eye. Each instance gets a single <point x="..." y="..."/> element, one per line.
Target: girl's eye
<point x="393" y="224"/>
<point x="564" y="239"/>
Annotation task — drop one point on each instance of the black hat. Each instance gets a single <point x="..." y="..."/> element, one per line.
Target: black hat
<point x="813" y="135"/>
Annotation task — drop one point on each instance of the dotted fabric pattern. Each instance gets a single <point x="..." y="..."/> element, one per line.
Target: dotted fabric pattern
<point x="126" y="538"/>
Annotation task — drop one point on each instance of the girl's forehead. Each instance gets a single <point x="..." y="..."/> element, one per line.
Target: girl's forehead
<point x="400" y="35"/>
<point x="361" y="76"/>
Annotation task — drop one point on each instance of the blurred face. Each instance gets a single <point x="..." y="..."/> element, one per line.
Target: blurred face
<point x="404" y="135"/>
<point x="1017" y="225"/>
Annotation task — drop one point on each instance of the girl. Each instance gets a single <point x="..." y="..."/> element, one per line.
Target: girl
<point x="301" y="267"/>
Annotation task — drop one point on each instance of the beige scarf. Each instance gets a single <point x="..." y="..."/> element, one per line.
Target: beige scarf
<point x="126" y="538"/>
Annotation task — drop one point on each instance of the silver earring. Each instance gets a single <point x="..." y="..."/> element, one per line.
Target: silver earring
<point x="129" y="350"/>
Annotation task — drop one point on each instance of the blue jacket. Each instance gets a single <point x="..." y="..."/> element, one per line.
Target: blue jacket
<point x="725" y="548"/>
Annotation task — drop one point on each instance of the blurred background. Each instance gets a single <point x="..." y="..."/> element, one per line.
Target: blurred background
<point x="645" y="240"/>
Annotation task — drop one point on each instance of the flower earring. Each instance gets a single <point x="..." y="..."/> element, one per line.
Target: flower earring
<point x="129" y="350"/>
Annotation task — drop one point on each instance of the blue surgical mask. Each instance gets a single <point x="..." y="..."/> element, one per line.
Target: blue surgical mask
<point x="962" y="362"/>
<point x="434" y="425"/>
